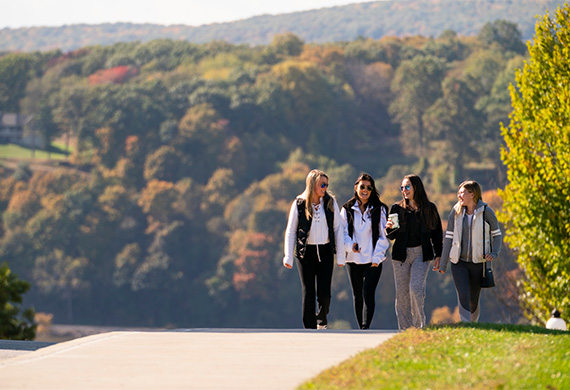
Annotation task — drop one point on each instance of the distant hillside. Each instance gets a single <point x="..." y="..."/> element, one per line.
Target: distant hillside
<point x="343" y="23"/>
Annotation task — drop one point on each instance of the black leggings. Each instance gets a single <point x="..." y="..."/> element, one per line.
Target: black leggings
<point x="467" y="278"/>
<point x="363" y="280"/>
<point x="312" y="270"/>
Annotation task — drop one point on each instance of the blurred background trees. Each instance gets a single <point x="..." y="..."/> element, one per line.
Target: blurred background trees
<point x="185" y="159"/>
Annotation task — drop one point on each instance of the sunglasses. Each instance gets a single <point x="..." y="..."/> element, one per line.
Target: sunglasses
<point x="363" y="187"/>
<point x="407" y="187"/>
<point x="324" y="185"/>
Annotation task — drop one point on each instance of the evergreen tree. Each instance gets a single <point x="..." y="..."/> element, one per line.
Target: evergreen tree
<point x="13" y="325"/>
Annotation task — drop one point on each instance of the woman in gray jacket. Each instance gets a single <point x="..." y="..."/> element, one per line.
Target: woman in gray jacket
<point x="473" y="236"/>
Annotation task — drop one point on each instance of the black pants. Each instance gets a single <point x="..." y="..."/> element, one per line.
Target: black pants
<point x="467" y="278"/>
<point x="363" y="280"/>
<point x="312" y="271"/>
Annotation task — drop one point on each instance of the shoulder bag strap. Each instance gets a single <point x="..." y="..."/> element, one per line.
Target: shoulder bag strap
<point x="485" y="264"/>
<point x="484" y="208"/>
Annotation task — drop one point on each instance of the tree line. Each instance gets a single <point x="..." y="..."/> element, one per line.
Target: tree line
<point x="376" y="19"/>
<point x="186" y="158"/>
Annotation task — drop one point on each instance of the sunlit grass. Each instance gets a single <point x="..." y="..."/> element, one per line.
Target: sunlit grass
<point x="20" y="152"/>
<point x="471" y="356"/>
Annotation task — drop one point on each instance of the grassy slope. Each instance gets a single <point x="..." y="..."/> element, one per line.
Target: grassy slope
<point x="462" y="356"/>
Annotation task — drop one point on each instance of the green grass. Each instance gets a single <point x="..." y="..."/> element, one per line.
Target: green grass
<point x="460" y="356"/>
<point x="20" y="152"/>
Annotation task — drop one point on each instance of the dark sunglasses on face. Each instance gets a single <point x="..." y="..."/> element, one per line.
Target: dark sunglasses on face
<point x="324" y="185"/>
<point x="406" y="187"/>
<point x="363" y="187"/>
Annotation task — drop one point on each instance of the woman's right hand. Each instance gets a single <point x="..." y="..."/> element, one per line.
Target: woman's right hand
<point x="389" y="224"/>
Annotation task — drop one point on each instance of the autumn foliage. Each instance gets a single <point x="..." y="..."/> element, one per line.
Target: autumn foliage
<point x="116" y="75"/>
<point x="252" y="266"/>
<point x="187" y="158"/>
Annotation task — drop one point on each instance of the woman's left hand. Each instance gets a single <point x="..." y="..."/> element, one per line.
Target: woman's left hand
<point x="375" y="264"/>
<point x="436" y="265"/>
<point x="489" y="257"/>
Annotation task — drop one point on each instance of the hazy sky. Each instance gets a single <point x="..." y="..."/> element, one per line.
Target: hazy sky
<point x="27" y="13"/>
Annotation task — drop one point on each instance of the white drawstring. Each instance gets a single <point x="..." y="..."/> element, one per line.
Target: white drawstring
<point x="317" y="216"/>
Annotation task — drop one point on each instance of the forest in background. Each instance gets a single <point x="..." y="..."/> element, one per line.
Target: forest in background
<point x="172" y="207"/>
<point x="375" y="20"/>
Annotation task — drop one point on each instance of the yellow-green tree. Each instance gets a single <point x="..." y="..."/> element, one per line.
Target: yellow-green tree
<point x="536" y="211"/>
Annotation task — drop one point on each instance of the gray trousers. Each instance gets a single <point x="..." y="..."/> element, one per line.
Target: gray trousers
<point x="410" y="279"/>
<point x="467" y="278"/>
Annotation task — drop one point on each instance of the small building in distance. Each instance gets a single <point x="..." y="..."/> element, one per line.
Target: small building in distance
<point x="13" y="130"/>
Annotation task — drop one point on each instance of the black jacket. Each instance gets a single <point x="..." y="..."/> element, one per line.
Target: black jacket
<point x="432" y="239"/>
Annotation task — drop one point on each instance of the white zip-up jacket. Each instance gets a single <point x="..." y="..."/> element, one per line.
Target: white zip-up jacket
<point x="369" y="253"/>
<point x="452" y="242"/>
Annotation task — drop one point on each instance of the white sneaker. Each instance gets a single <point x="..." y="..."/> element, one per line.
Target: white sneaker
<point x="322" y="327"/>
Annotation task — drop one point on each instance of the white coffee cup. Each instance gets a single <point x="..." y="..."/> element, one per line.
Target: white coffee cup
<point x="395" y="220"/>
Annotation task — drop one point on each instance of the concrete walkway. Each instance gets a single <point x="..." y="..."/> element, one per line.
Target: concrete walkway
<point x="13" y="348"/>
<point x="186" y="359"/>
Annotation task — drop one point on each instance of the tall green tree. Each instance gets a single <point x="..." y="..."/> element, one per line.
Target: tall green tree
<point x="287" y="44"/>
<point x="504" y="34"/>
<point x="457" y="124"/>
<point x="536" y="208"/>
<point x="38" y="102"/>
<point x="416" y="85"/>
<point x="69" y="109"/>
<point x="14" y="73"/>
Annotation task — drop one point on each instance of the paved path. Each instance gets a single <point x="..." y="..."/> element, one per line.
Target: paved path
<point x="13" y="348"/>
<point x="186" y="359"/>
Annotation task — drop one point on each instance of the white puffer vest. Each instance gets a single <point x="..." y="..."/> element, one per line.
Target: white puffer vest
<point x="478" y="248"/>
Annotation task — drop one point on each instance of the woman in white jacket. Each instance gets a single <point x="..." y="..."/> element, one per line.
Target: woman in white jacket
<point x="364" y="220"/>
<point x="314" y="231"/>
<point x="473" y="236"/>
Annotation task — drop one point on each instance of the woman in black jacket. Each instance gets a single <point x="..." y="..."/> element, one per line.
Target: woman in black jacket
<point x="418" y="239"/>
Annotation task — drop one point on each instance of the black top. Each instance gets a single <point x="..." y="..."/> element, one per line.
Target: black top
<point x="431" y="239"/>
<point x="413" y="220"/>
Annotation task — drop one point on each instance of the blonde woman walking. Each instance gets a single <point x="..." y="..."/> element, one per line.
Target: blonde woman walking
<point x="314" y="231"/>
<point x="473" y="237"/>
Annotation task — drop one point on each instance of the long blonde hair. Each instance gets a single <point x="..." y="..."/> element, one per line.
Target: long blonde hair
<point x="310" y="184"/>
<point x="473" y="188"/>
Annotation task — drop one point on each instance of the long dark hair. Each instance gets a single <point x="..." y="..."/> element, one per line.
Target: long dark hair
<point x="427" y="209"/>
<point x="374" y="199"/>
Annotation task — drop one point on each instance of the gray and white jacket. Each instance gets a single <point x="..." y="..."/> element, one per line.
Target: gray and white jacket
<point x="452" y="242"/>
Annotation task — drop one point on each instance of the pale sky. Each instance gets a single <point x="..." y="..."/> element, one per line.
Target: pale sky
<point x="28" y="13"/>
